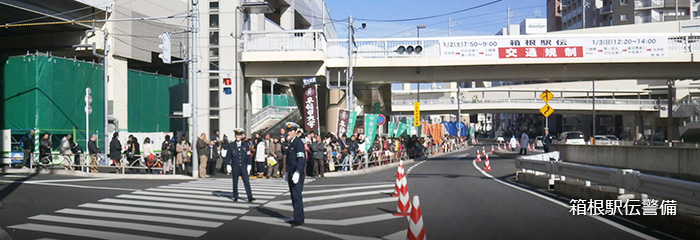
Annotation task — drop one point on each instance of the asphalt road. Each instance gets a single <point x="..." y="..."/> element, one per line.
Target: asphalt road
<point x="458" y="202"/>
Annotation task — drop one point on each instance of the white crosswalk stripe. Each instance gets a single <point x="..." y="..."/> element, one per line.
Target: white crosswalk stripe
<point x="173" y="211"/>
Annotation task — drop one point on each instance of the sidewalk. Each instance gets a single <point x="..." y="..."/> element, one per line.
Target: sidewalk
<point x="383" y="167"/>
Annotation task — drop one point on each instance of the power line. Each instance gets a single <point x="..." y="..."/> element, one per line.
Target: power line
<point x="429" y="17"/>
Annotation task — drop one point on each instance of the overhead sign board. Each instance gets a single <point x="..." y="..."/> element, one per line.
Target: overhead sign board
<point x="553" y="47"/>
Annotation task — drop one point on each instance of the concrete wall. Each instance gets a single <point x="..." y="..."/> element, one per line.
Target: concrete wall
<point x="681" y="163"/>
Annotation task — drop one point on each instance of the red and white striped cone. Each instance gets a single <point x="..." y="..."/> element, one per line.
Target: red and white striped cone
<point x="403" y="206"/>
<point x="492" y="149"/>
<point x="399" y="176"/>
<point x="416" y="231"/>
<point x="483" y="150"/>
<point x="518" y="144"/>
<point x="478" y="156"/>
<point x="530" y="148"/>
<point x="487" y="164"/>
<point x="499" y="147"/>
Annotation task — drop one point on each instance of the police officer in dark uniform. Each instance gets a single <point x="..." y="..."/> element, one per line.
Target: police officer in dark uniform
<point x="296" y="161"/>
<point x="239" y="157"/>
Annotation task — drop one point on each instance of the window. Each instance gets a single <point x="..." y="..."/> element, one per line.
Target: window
<point x="214" y="99"/>
<point x="213" y="52"/>
<point x="213" y="124"/>
<point x="214" y="38"/>
<point x="213" y="20"/>
<point x="623" y="17"/>
<point x="623" y="2"/>
<point x="214" y="6"/>
<point x="214" y="83"/>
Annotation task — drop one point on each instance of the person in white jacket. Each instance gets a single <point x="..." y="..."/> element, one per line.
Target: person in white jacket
<point x="260" y="157"/>
<point x="513" y="143"/>
<point x="147" y="152"/>
<point x="66" y="151"/>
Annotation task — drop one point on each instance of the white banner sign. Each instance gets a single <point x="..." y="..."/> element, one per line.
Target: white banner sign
<point x="525" y="47"/>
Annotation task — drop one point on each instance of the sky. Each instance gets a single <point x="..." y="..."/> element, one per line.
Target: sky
<point x="484" y="20"/>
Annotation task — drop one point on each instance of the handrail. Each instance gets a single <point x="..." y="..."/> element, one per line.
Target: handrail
<point x="663" y="187"/>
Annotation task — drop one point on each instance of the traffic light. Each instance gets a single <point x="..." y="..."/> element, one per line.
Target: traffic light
<point x="227" y="86"/>
<point x="165" y="56"/>
<point x="409" y="49"/>
<point x="88" y="101"/>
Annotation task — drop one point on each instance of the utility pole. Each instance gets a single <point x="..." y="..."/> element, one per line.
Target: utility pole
<point x="194" y="27"/>
<point x="459" y="113"/>
<point x="105" y="81"/>
<point x="508" y="22"/>
<point x="450" y="24"/>
<point x="583" y="11"/>
<point x="349" y="79"/>
<point x="691" y="5"/>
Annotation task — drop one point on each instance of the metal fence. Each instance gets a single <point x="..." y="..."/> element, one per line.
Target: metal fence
<point x="627" y="179"/>
<point x="379" y="158"/>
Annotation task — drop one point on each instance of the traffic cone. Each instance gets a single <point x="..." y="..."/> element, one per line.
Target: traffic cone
<point x="399" y="176"/>
<point x="483" y="150"/>
<point x="499" y="147"/>
<point x="416" y="231"/>
<point x="478" y="156"/>
<point x="492" y="148"/>
<point x="403" y="206"/>
<point x="517" y="143"/>
<point x="487" y="164"/>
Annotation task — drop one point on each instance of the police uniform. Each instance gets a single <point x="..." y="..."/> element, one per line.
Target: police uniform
<point x="296" y="161"/>
<point x="239" y="157"/>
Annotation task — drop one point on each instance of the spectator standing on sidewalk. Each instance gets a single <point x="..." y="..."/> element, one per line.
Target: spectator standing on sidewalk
<point x="202" y="148"/>
<point x="317" y="148"/>
<point x="547" y="140"/>
<point x="27" y="144"/>
<point x="65" y="150"/>
<point x="93" y="150"/>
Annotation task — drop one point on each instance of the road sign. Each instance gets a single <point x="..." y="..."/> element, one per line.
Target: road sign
<point x="547" y="110"/>
<point x="416" y="114"/>
<point x="381" y="119"/>
<point x="546" y="95"/>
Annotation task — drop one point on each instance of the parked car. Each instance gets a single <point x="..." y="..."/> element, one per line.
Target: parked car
<point x="538" y="142"/>
<point x="614" y="139"/>
<point x="572" y="137"/>
<point x="602" y="140"/>
<point x="500" y="139"/>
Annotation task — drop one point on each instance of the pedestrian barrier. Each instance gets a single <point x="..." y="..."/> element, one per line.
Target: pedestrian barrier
<point x="626" y="179"/>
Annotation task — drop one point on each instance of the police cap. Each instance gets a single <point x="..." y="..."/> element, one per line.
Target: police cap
<point x="239" y="131"/>
<point x="292" y="126"/>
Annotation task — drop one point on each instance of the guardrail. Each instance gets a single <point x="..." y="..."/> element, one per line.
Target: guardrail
<point x="668" y="188"/>
<point x="377" y="158"/>
<point x="85" y="163"/>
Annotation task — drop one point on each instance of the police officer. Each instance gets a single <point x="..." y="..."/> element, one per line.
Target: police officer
<point x="296" y="161"/>
<point x="239" y="157"/>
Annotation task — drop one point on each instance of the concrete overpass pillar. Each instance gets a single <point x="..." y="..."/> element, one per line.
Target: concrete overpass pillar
<point x="256" y="96"/>
<point x="336" y="101"/>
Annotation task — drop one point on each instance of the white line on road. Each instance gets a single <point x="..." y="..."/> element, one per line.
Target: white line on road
<point x="161" y="211"/>
<point x="344" y="189"/>
<point x="213" y="193"/>
<point x="140" y="217"/>
<point x="222" y="196"/>
<point x="280" y="222"/>
<point x="601" y="219"/>
<point x="188" y="206"/>
<point x="80" y="232"/>
<point x="343" y="185"/>
<point x="121" y="225"/>
<point x="412" y="167"/>
<point x="230" y="203"/>
<point x="71" y="186"/>
<point x="283" y="205"/>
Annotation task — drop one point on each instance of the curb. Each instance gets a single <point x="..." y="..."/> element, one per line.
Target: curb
<point x="64" y="172"/>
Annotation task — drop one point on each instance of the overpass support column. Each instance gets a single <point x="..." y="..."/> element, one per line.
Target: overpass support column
<point x="336" y="101"/>
<point x="256" y="93"/>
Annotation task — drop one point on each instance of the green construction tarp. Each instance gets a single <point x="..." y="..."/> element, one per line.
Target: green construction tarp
<point x="48" y="93"/>
<point x="152" y="98"/>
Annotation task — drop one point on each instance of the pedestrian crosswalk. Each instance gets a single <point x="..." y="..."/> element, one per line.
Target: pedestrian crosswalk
<point x="182" y="210"/>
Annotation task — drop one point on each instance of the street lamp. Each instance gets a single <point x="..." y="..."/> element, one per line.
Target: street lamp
<point x="418" y="30"/>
